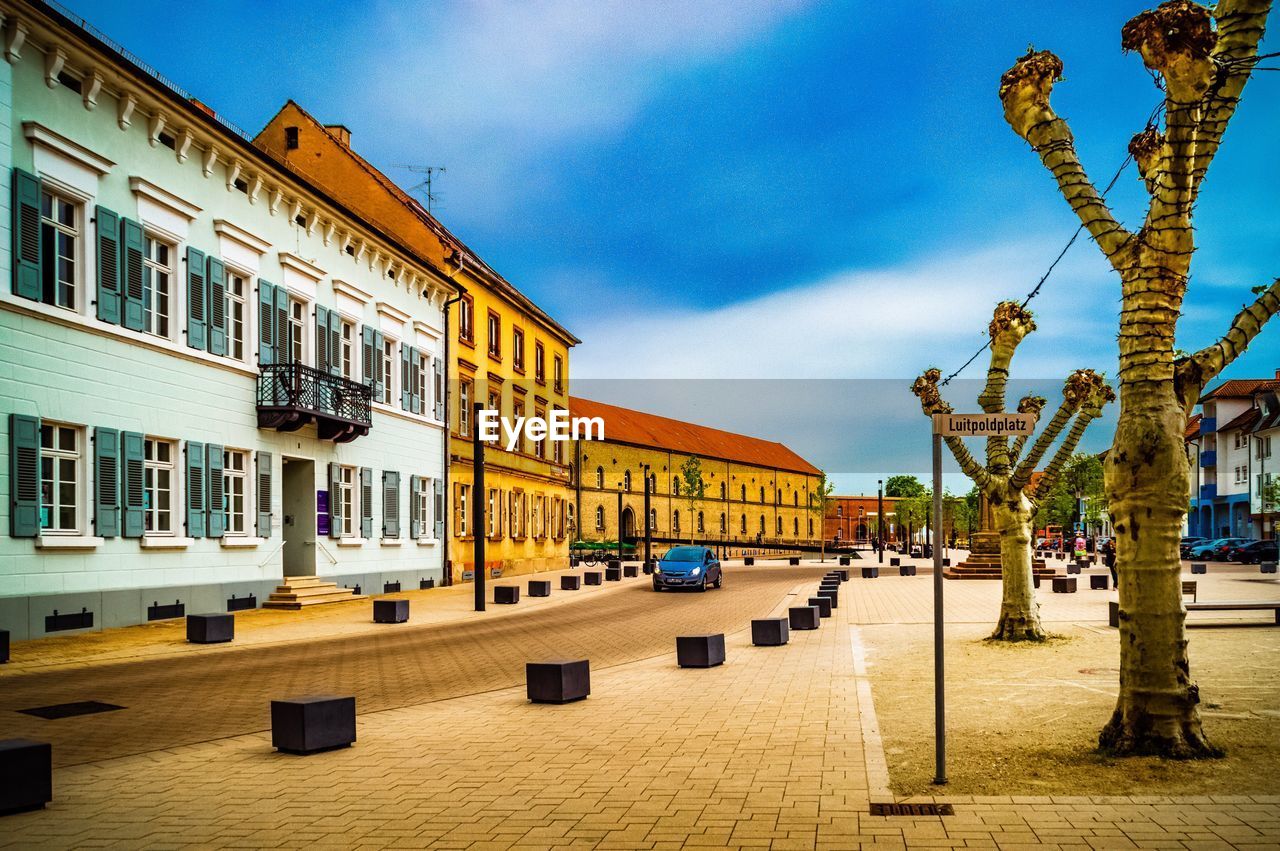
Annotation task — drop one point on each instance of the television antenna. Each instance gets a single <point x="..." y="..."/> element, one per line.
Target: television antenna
<point x="425" y="185"/>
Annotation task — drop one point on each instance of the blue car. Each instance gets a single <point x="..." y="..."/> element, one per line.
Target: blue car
<point x="688" y="567"/>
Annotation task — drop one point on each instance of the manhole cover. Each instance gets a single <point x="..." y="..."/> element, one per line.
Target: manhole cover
<point x="70" y="710"/>
<point x="912" y="810"/>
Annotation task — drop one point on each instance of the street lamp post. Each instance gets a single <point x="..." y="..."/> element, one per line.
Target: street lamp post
<point x="648" y="530"/>
<point x="880" y="519"/>
<point x="477" y="506"/>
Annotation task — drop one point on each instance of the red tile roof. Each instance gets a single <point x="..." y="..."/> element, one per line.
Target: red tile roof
<point x="1193" y="427"/>
<point x="1245" y="420"/>
<point x="1241" y="387"/>
<point x="650" y="430"/>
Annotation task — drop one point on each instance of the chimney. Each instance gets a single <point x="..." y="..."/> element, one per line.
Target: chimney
<point x="340" y="132"/>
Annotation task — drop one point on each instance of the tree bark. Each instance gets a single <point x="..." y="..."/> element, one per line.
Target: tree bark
<point x="1019" y="611"/>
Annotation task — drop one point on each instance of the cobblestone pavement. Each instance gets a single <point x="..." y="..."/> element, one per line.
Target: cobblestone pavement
<point x="778" y="748"/>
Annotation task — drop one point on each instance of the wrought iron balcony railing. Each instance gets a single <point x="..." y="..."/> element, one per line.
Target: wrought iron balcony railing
<point x="291" y="395"/>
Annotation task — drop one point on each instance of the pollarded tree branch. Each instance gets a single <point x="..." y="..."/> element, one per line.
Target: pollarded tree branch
<point x="1100" y="394"/>
<point x="1010" y="324"/>
<point x="1074" y="392"/>
<point x="1193" y="373"/>
<point x="1024" y="91"/>
<point x="931" y="402"/>
<point x="1027" y="405"/>
<point x="1241" y="24"/>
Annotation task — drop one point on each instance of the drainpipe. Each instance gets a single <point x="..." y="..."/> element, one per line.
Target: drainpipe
<point x="448" y="526"/>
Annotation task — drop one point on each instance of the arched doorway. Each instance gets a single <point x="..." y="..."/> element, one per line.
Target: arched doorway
<point x="628" y="524"/>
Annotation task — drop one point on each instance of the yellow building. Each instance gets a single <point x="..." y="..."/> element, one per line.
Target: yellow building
<point x="502" y="350"/>
<point x="756" y="493"/>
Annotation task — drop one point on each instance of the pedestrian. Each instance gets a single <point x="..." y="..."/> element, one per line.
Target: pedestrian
<point x="1079" y="546"/>
<point x="1109" y="559"/>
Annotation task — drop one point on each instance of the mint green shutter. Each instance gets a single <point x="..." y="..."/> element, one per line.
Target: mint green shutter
<point x="322" y="339"/>
<point x="406" y="384"/>
<point x="26" y="236"/>
<point x="196" y="491"/>
<point x="216" y="506"/>
<point x="366" y="354"/>
<point x="366" y="502"/>
<point x="216" y="279"/>
<point x="415" y="381"/>
<point x="106" y="482"/>
<point x="24" y="476"/>
<point x="335" y="343"/>
<point x="107" y="225"/>
<point x="197" y="300"/>
<point x="379" y="384"/>
<point x="284" y="349"/>
<point x="335" y="500"/>
<point x="415" y="517"/>
<point x="390" y="504"/>
<point x="262" y="483"/>
<point x="132" y="499"/>
<point x="266" y="322"/>
<point x="131" y="274"/>
<point x="438" y="487"/>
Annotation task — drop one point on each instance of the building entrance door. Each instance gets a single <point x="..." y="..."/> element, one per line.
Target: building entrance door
<point x="628" y="524"/>
<point x="298" y="493"/>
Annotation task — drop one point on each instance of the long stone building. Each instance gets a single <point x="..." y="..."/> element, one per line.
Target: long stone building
<point x="756" y="493"/>
<point x="219" y="377"/>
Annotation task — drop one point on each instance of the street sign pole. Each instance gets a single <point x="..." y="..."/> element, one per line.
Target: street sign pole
<point x="939" y="694"/>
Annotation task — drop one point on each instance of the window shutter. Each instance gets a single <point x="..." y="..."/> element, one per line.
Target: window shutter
<point x="366" y="502"/>
<point x="26" y="236"/>
<point x="438" y="485"/>
<point x="217" y="507"/>
<point x="195" y="490"/>
<point x="438" y="369"/>
<point x="106" y="481"/>
<point x="132" y="499"/>
<point x="262" y="469"/>
<point x="390" y="504"/>
<point x="379" y="386"/>
<point x="415" y="380"/>
<point x="131" y="274"/>
<point x="217" y="281"/>
<point x="107" y="225"/>
<point x="458" y="508"/>
<point x="406" y="382"/>
<point x="366" y="354"/>
<point x="415" y="516"/>
<point x="322" y="339"/>
<point x="197" y="300"/>
<point x="266" y="322"/>
<point x="284" y="343"/>
<point x="335" y="342"/>
<point x="24" y="476"/>
<point x="335" y="501"/>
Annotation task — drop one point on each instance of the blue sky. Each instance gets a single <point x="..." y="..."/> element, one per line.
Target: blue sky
<point x="747" y="189"/>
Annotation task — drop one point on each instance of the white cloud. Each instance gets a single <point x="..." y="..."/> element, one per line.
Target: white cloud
<point x="876" y="323"/>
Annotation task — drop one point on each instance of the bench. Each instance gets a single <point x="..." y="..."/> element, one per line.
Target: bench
<point x="1189" y="588"/>
<point x="1212" y="606"/>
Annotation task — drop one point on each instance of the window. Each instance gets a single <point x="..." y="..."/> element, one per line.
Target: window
<point x="463" y="503"/>
<point x="761" y="524"/>
<point x="60" y="241"/>
<point x="557" y="451"/>
<point x="59" y="479"/>
<point x="236" y="315"/>
<point x="762" y="496"/>
<point x="517" y="411"/>
<point x="795" y="498"/>
<point x="722" y="523"/>
<point x="700" y="529"/>
<point x="157" y="499"/>
<point x="744" y="524"/>
<point x="675" y="487"/>
<point x="347" y="351"/>
<point x="779" y="526"/>
<point x="626" y="481"/>
<point x="424" y="382"/>
<point x="675" y="523"/>
<point x="466" y="320"/>
<point x="744" y="497"/>
<point x="297" y="330"/>
<point x="495" y="401"/>
<point x="558" y="374"/>
<point x="495" y="335"/>
<point x="494" y="511"/>
<point x="539" y="363"/>
<point x="599" y="518"/>
<point x="600" y="477"/>
<point x="234" y="491"/>
<point x="517" y="349"/>
<point x="157" y="285"/>
<point x="387" y="371"/>
<point x="464" y="407"/>
<point x="810" y="527"/>
<point x="518" y="511"/>
<point x="653" y="483"/>
<point x="653" y="519"/>
<point x="426" y="519"/>
<point x="795" y="527"/>
<point x="346" y="499"/>
<point x="724" y="492"/>
<point x="540" y="444"/>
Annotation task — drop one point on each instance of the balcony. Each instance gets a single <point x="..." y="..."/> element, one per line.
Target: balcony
<point x="291" y="395"/>
<point x="1208" y="425"/>
<point x="1209" y="491"/>
<point x="1209" y="458"/>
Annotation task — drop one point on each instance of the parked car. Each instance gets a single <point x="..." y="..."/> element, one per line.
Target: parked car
<point x="1184" y="548"/>
<point x="1215" y="550"/>
<point x="1253" y="552"/>
<point x="688" y="567"/>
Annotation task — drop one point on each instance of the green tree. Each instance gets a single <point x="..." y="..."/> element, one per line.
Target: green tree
<point x="819" y="498"/>
<point x="692" y="487"/>
<point x="903" y="486"/>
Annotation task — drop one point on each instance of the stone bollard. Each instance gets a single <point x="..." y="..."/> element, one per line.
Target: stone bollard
<point x="700" y="651"/>
<point x="1200" y="568"/>
<point x="560" y="681"/>
<point x="823" y="604"/>
<point x="307" y="725"/>
<point x="26" y="775"/>
<point x="631" y="571"/>
<point x="390" y="611"/>
<point x="213" y="628"/>
<point x="1099" y="582"/>
<point x="613" y="574"/>
<point x="506" y="594"/>
<point x="870" y="573"/>
<point x="592" y="577"/>
<point x="907" y="570"/>
<point x="804" y="617"/>
<point x="895" y="562"/>
<point x="570" y="582"/>
<point x="1064" y="585"/>
<point x="748" y="560"/>
<point x="540" y="587"/>
<point x="769" y="632"/>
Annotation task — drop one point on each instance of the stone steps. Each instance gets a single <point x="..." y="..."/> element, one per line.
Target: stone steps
<point x="308" y="591"/>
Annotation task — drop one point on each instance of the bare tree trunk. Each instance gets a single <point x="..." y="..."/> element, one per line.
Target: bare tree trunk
<point x="1019" y="611"/>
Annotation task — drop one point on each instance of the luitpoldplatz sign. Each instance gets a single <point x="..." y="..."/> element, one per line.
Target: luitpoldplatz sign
<point x="983" y="425"/>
